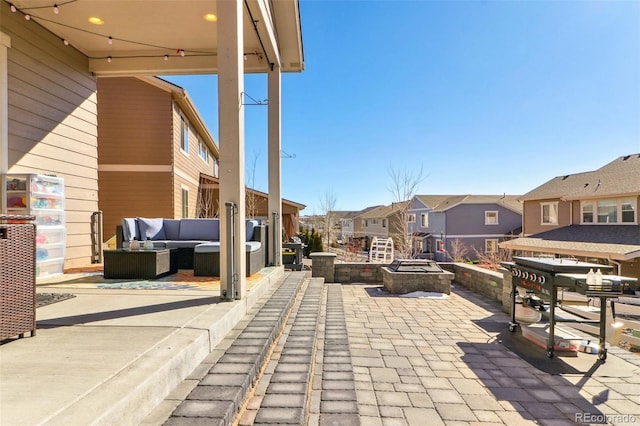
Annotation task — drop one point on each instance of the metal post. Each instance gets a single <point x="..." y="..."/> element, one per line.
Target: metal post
<point x="277" y="237"/>
<point x="232" y="274"/>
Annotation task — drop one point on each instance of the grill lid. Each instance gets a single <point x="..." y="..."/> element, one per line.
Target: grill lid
<point x="557" y="265"/>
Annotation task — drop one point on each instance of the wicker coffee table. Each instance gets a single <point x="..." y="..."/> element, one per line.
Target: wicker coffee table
<point x="145" y="264"/>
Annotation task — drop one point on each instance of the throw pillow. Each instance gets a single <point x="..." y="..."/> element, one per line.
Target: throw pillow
<point x="151" y="228"/>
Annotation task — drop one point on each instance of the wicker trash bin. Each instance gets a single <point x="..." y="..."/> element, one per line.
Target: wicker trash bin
<point x="17" y="276"/>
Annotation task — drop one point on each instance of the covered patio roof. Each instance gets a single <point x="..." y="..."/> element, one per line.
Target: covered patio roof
<point x="123" y="37"/>
<point x="613" y="242"/>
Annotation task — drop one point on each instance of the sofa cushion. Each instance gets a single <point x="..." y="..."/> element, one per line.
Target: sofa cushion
<point x="212" y="247"/>
<point x="251" y="225"/>
<point x="252" y="246"/>
<point x="151" y="228"/>
<point x="171" y="229"/>
<point x="200" y="229"/>
<point x="130" y="229"/>
<point x="184" y="243"/>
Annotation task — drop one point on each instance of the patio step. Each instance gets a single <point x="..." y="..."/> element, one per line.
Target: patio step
<point x="223" y="388"/>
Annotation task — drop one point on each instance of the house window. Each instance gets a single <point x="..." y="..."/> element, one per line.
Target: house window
<point x="203" y="151"/>
<point x="384" y="223"/>
<point x="628" y="211"/>
<point x="184" y="202"/>
<point x="440" y="246"/>
<point x="424" y="220"/>
<point x="607" y="211"/>
<point x="184" y="135"/>
<point x="491" y="246"/>
<point x="587" y="212"/>
<point x="411" y="218"/>
<point x="549" y="213"/>
<point x="491" y="218"/>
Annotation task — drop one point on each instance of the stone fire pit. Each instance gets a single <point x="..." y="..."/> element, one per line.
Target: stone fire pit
<point x="408" y="275"/>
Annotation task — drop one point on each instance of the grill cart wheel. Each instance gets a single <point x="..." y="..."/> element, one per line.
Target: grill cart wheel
<point x="512" y="327"/>
<point x="602" y="356"/>
<point x="549" y="352"/>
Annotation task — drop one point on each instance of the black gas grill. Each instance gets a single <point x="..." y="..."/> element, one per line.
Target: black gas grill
<point x="544" y="275"/>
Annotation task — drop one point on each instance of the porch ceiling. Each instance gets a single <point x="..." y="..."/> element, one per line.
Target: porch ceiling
<point x="144" y="31"/>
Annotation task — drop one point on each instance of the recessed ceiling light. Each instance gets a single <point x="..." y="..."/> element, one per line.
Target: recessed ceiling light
<point x="95" y="20"/>
<point x="211" y="17"/>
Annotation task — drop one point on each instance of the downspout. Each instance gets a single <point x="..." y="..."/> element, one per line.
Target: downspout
<point x="618" y="265"/>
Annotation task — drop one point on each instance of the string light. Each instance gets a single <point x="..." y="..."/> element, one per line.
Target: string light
<point x="56" y="10"/>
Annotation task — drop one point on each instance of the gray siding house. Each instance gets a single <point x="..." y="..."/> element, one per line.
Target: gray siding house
<point x="445" y="226"/>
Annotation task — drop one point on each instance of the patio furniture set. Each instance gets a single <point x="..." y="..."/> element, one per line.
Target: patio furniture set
<point x="177" y="244"/>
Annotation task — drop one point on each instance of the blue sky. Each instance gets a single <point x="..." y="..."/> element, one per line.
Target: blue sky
<point x="486" y="97"/>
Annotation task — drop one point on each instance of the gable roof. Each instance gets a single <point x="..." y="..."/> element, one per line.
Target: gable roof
<point x="619" y="177"/>
<point x="441" y="203"/>
<point x="376" y="212"/>
<point x="611" y="241"/>
<point x="359" y="213"/>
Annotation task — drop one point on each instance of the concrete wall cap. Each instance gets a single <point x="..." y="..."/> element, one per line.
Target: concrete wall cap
<point x="322" y="254"/>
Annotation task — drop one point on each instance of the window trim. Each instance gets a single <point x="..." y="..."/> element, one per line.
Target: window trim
<point x="619" y="211"/>
<point x="184" y="208"/>
<point x="491" y="240"/>
<point x="550" y="203"/>
<point x="184" y="127"/>
<point x="203" y="151"/>
<point x="486" y="216"/>
<point x="424" y="220"/>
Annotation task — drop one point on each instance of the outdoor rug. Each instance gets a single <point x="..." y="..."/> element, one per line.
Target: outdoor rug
<point x="44" y="299"/>
<point x="182" y="280"/>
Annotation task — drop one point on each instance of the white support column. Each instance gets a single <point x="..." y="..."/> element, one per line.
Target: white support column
<point x="275" y="197"/>
<point x="231" y="121"/>
<point x="5" y="44"/>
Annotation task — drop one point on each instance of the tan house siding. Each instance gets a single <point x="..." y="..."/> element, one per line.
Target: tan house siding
<point x="135" y="153"/>
<point x="146" y="195"/>
<point x="135" y="122"/>
<point x="532" y="216"/>
<point x="52" y="122"/>
<point x="142" y="168"/>
<point x="187" y="166"/>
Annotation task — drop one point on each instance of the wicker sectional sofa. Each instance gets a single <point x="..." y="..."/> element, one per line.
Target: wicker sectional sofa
<point x="196" y="240"/>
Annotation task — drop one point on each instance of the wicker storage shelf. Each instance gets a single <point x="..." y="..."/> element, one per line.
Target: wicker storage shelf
<point x="17" y="276"/>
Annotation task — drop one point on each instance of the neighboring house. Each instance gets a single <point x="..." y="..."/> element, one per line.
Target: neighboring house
<point x="383" y="222"/>
<point x="591" y="215"/>
<point x="153" y="147"/>
<point x="375" y="222"/>
<point x="443" y="226"/>
<point x="353" y="227"/>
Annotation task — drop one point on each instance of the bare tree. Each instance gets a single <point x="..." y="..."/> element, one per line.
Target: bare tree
<point x="404" y="184"/>
<point x="327" y="206"/>
<point x="458" y="251"/>
<point x="492" y="259"/>
<point x="251" y="197"/>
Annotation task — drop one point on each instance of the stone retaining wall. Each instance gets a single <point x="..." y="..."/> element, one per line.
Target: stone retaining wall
<point x="481" y="280"/>
<point x="358" y="272"/>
